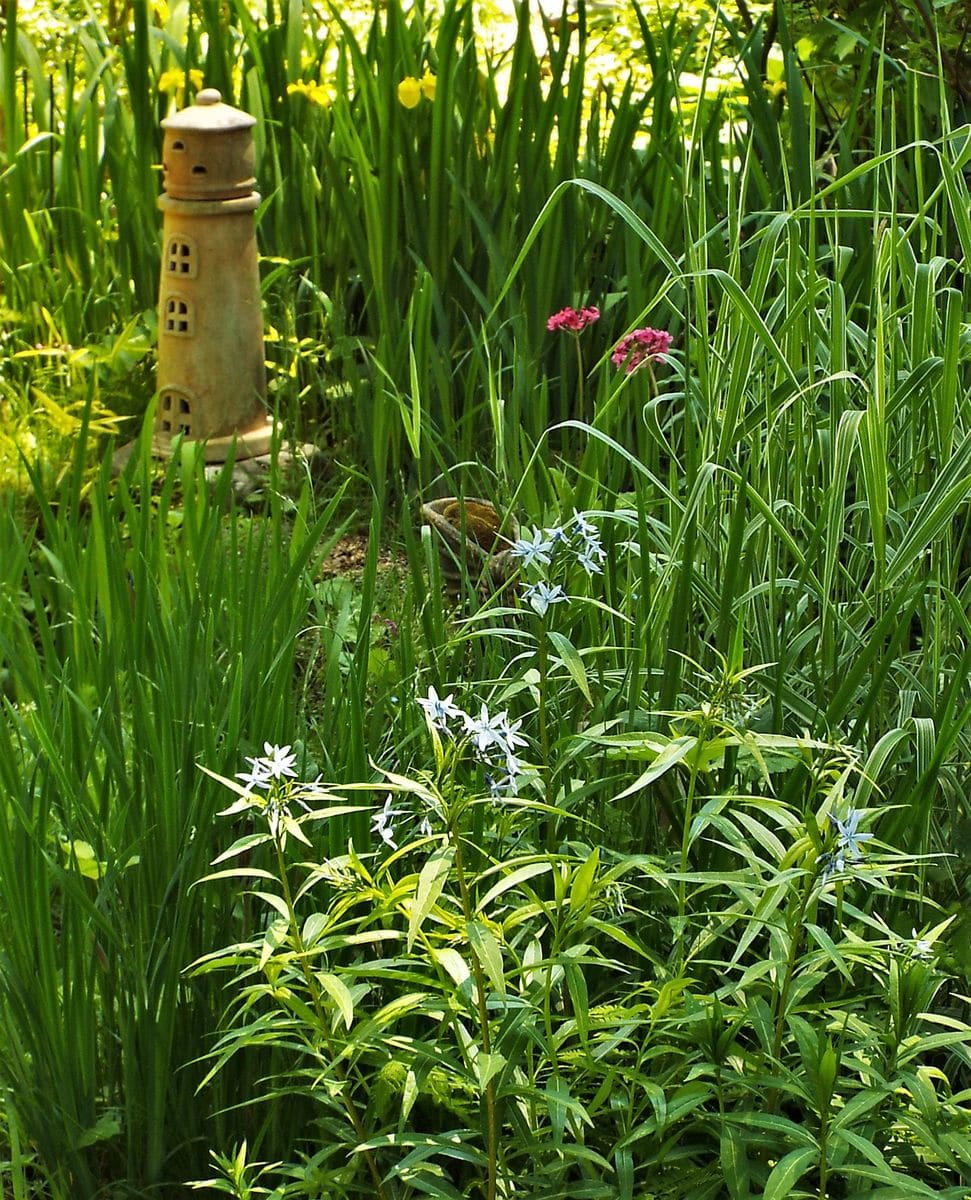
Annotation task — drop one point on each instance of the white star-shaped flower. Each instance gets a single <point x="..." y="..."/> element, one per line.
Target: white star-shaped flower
<point x="439" y="711"/>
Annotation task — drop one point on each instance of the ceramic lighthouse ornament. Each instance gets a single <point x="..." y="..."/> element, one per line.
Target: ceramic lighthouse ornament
<point x="211" y="371"/>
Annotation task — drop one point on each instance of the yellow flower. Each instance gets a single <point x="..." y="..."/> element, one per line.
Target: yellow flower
<point x="315" y="93"/>
<point x="775" y="83"/>
<point x="409" y="91"/>
<point x="172" y="82"/>
<point x="428" y="84"/>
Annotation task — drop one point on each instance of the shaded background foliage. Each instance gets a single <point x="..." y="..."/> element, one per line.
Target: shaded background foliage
<point x="375" y="213"/>
<point x="777" y="188"/>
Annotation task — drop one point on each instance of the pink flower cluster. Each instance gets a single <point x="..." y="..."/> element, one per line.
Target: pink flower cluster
<point x="573" y="320"/>
<point x="641" y="346"/>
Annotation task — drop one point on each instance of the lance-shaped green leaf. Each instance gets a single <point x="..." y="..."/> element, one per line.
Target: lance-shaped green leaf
<point x="431" y="881"/>
<point x="489" y="954"/>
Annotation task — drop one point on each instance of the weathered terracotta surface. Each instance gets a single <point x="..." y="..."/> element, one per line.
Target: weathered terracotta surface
<point x="207" y="152"/>
<point x="473" y="543"/>
<point x="211" y="373"/>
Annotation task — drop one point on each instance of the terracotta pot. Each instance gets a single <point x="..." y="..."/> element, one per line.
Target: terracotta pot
<point x="473" y="542"/>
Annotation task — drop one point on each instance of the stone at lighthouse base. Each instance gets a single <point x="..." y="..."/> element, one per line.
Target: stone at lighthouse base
<point x="253" y="455"/>
<point x="292" y="461"/>
<point x="255" y="442"/>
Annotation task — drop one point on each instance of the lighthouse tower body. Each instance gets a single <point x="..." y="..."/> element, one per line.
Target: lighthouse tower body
<point x="211" y="374"/>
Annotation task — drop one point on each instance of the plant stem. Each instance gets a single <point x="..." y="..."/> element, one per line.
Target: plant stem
<point x="542" y="662"/>
<point x="580" y="380"/>
<point x="795" y="941"/>
<point x="353" y="1115"/>
<point x="823" y="1156"/>
<point x="489" y="1096"/>
<point x="689" y="805"/>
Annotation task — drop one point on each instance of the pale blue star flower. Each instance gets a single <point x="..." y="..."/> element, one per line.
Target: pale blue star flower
<point x="588" y="558"/>
<point x="557" y="535"/>
<point x="255" y="777"/>
<point x="922" y="948"/>
<point x="835" y="864"/>
<point x="279" y="761"/>
<point x="494" y="736"/>
<point x="848" y="838"/>
<point x="382" y="822"/>
<point x="483" y="730"/>
<point x="583" y="526"/>
<point x="540" y="596"/>
<point x="532" y="550"/>
<point x="439" y="711"/>
<point x="502" y="785"/>
<point x="508" y="734"/>
<point x="594" y="547"/>
<point x="513" y="766"/>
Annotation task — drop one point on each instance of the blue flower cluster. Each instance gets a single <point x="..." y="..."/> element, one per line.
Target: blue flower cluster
<point x="579" y="537"/>
<point x="848" y="843"/>
<point x="273" y="772"/>
<point x="494" y="738"/>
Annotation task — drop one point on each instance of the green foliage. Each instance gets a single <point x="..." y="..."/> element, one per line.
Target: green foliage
<point x="471" y="1017"/>
<point x="931" y="38"/>
<point x="664" y="955"/>
<point x="151" y="643"/>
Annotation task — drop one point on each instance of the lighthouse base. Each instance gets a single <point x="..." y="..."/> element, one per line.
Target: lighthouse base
<point x="250" y="470"/>
<point x="238" y="445"/>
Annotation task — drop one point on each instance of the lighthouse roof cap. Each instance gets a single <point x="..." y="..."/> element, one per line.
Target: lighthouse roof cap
<point x="209" y="115"/>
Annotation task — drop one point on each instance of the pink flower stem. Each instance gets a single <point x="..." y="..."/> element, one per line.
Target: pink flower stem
<point x="580" y="380"/>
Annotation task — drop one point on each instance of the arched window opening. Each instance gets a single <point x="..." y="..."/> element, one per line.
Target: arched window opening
<point x="179" y="317"/>
<point x="182" y="257"/>
<point x="174" y="412"/>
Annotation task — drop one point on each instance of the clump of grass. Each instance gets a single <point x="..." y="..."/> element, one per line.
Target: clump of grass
<point x="132" y="653"/>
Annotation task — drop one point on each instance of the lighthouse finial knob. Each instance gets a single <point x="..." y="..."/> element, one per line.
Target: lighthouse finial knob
<point x="209" y="96"/>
